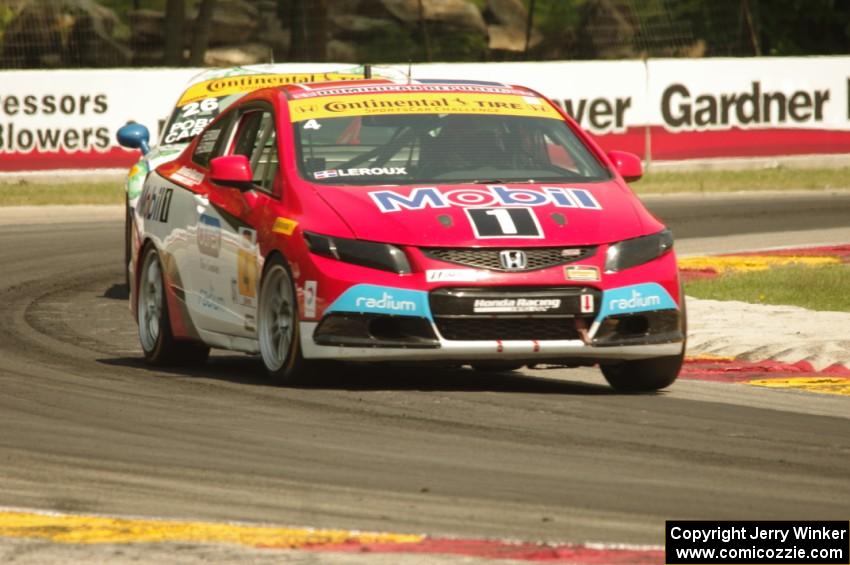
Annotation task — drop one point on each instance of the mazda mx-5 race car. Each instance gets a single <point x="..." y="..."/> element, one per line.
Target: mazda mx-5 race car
<point x="460" y="222"/>
<point x="205" y="96"/>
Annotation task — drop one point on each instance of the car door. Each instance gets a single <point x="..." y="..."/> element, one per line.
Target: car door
<point x="226" y="234"/>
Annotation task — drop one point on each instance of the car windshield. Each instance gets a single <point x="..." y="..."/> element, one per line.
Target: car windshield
<point x="442" y="148"/>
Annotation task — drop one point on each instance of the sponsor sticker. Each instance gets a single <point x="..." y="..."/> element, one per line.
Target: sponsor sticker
<point x="284" y="226"/>
<point x="515" y="305"/>
<point x="582" y="273"/>
<point x="310" y="288"/>
<point x="359" y="172"/>
<point x="635" y="298"/>
<point x="226" y="86"/>
<point x="586" y="303"/>
<point x="187" y="176"/>
<point x="156" y="203"/>
<point x="455" y="275"/>
<point x="373" y="299"/>
<point x="209" y="235"/>
<point x="247" y="271"/>
<point x="491" y="223"/>
<point x="487" y="196"/>
<point x="418" y="103"/>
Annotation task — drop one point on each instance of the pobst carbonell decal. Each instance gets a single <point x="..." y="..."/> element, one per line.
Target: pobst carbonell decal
<point x="491" y="195"/>
<point x="420" y="103"/>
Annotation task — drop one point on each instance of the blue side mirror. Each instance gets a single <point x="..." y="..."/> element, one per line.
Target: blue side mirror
<point x="134" y="136"/>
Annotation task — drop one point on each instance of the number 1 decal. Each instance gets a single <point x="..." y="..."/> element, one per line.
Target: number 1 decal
<point x="490" y="223"/>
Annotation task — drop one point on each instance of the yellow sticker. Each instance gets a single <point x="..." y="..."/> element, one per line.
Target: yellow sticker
<point x="581" y="273"/>
<point x="420" y="103"/>
<point x="225" y="86"/>
<point x="284" y="226"/>
<point x="818" y="384"/>
<point x="247" y="273"/>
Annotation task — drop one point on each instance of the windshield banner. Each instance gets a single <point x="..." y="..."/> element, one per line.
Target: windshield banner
<point x="420" y="103"/>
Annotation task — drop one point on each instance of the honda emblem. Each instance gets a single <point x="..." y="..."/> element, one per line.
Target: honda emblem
<point x="513" y="259"/>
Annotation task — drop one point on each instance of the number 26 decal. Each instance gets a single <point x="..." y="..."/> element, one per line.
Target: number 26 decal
<point x="504" y="222"/>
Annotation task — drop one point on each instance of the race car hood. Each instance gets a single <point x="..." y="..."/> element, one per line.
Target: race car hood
<point x="465" y="215"/>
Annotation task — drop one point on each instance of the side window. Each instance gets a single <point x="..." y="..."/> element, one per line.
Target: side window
<point x="211" y="141"/>
<point x="256" y="139"/>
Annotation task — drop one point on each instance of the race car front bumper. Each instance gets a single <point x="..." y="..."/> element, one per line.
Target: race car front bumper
<point x="529" y="351"/>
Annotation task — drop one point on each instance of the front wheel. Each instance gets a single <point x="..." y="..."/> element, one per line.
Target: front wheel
<point x="158" y="343"/>
<point x="643" y="375"/>
<point x="277" y="326"/>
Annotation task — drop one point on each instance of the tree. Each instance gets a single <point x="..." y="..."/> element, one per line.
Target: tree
<point x="175" y="19"/>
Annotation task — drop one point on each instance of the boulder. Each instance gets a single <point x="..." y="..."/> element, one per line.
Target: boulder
<point x="459" y="14"/>
<point x="342" y="51"/>
<point x="508" y="13"/>
<point x="234" y="22"/>
<point x="353" y="25"/>
<point x="607" y="31"/>
<point x="236" y="55"/>
<point x="511" y="38"/>
<point x="71" y="33"/>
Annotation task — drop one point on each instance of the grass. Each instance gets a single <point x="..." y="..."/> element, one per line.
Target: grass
<point x="24" y="193"/>
<point x="756" y="179"/>
<point x="824" y="288"/>
<point x="37" y="193"/>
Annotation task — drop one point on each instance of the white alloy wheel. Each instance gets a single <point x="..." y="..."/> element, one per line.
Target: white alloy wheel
<point x="277" y="319"/>
<point x="150" y="302"/>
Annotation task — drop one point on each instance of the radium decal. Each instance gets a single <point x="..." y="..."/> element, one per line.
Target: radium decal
<point x="373" y="299"/>
<point x="488" y="196"/>
<point x="635" y="298"/>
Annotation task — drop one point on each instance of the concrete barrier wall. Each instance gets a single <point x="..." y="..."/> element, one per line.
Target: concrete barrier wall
<point x="665" y="109"/>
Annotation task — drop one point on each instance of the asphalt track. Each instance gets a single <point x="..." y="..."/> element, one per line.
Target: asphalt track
<point x="553" y="455"/>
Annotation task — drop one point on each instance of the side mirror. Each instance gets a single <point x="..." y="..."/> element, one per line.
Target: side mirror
<point x="627" y="164"/>
<point x="233" y="171"/>
<point x="134" y="136"/>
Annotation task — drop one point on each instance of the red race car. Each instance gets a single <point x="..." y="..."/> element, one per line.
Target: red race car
<point x="379" y="220"/>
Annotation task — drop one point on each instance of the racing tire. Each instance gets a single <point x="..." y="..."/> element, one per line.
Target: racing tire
<point x="648" y="375"/>
<point x="643" y="375"/>
<point x="155" y="337"/>
<point x="127" y="227"/>
<point x="277" y="325"/>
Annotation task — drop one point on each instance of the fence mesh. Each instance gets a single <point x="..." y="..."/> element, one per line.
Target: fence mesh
<point x="114" y="33"/>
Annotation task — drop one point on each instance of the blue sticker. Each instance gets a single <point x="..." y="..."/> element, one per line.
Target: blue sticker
<point x="372" y="299"/>
<point x="635" y="298"/>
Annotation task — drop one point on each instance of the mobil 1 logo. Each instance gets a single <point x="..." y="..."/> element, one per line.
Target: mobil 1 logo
<point x="504" y="222"/>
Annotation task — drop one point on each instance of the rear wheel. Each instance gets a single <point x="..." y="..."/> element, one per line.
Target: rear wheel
<point x="643" y="375"/>
<point x="158" y="343"/>
<point x="277" y="326"/>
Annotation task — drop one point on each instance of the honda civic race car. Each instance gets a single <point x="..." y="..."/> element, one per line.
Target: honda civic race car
<point x="379" y="220"/>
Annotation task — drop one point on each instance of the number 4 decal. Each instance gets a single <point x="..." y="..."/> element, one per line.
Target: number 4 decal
<point x="504" y="222"/>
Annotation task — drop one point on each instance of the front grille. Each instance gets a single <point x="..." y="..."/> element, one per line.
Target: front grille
<point x="538" y="257"/>
<point x="472" y="329"/>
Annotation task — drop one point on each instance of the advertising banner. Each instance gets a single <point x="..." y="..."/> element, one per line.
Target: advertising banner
<point x="708" y="108"/>
<point x="661" y="110"/>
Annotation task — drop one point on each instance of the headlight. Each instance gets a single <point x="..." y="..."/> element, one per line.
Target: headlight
<point x="366" y="253"/>
<point x="638" y="251"/>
